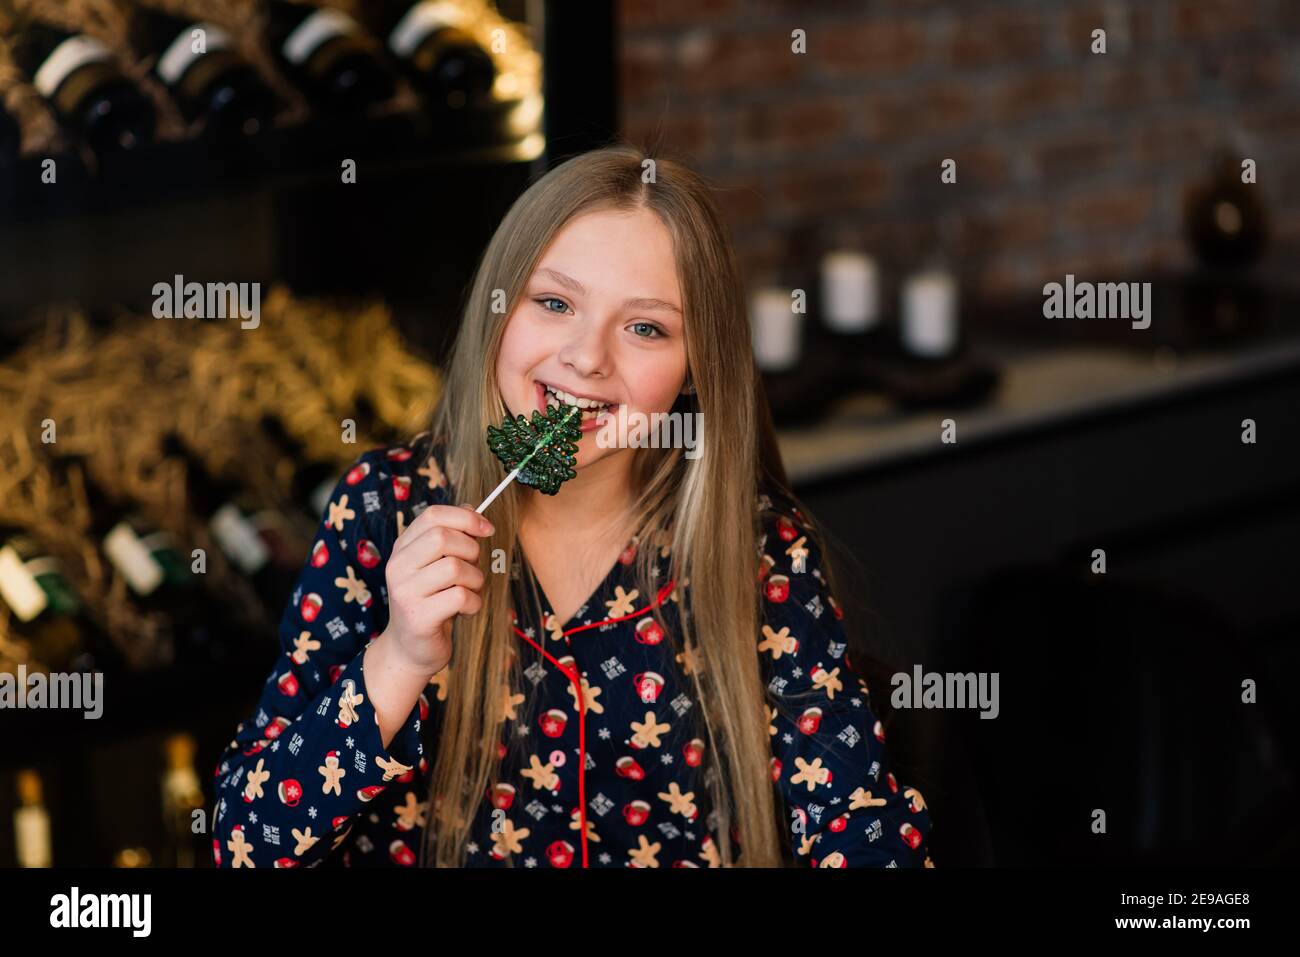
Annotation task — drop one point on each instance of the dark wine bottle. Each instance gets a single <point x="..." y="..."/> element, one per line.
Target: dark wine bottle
<point x="146" y="558"/>
<point x="330" y="56"/>
<point x="32" y="822"/>
<point x="150" y="562"/>
<point x="80" y="78"/>
<point x="253" y="539"/>
<point x="207" y="77"/>
<point x="313" y="479"/>
<point x="182" y="795"/>
<point x="45" y="611"/>
<point x="443" y="61"/>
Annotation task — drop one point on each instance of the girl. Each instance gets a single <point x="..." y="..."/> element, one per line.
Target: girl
<point x="646" y="669"/>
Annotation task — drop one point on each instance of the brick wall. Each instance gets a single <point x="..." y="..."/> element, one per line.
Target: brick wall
<point x="1066" y="160"/>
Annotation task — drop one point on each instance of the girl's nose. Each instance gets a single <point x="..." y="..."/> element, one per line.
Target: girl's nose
<point x="587" y="352"/>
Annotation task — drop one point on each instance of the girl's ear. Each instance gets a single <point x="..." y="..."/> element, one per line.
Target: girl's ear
<point x="689" y="387"/>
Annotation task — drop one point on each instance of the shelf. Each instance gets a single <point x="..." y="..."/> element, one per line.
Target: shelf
<point x="283" y="158"/>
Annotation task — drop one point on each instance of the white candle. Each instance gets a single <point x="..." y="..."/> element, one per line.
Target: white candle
<point x="775" y="327"/>
<point x="850" y="291"/>
<point x="929" y="323"/>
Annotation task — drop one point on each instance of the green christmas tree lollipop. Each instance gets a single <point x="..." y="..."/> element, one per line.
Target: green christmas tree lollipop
<point x="540" y="453"/>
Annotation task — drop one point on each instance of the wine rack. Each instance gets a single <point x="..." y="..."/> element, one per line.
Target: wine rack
<point x="265" y="414"/>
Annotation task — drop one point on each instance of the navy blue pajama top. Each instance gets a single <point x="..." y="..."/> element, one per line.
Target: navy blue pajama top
<point x="307" y="778"/>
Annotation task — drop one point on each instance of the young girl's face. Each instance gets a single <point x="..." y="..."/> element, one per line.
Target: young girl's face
<point x="600" y="318"/>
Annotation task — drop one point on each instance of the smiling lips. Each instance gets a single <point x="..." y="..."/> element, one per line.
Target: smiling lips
<point x="593" y="414"/>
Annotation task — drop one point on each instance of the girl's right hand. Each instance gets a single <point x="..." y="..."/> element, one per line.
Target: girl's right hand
<point x="433" y="575"/>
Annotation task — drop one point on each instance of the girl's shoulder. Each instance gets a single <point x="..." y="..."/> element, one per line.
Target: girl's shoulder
<point x="780" y="515"/>
<point x="416" y="468"/>
<point x="790" y="547"/>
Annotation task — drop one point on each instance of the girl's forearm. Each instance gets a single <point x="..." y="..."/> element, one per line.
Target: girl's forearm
<point x="393" y="687"/>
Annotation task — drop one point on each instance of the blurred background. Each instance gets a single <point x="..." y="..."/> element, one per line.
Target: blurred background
<point x="910" y="175"/>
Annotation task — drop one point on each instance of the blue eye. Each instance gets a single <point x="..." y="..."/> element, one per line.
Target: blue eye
<point x="658" y="333"/>
<point x="546" y="299"/>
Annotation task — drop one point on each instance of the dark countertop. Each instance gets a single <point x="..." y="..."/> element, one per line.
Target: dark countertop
<point x="1095" y="369"/>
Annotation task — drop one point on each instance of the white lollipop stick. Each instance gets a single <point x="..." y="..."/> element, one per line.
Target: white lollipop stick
<point x="498" y="490"/>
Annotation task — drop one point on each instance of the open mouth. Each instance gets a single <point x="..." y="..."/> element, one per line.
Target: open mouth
<point x="592" y="409"/>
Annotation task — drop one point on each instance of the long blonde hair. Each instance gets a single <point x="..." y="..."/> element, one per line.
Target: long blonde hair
<point x="703" y="509"/>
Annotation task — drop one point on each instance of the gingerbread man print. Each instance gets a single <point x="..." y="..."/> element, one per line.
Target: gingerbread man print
<point x="256" y="778"/>
<point x="811" y="773"/>
<point x="621" y="605"/>
<point x="339" y="513"/>
<point x="348" y="701"/>
<point x="304" y="645"/>
<point x="239" y="847"/>
<point x="508" y="839"/>
<point x="542" y="775"/>
<point x="645" y="734"/>
<point x="332" y="773"/>
<point x="303" y="841"/>
<point x="778" y="643"/>
<point x="354" y="590"/>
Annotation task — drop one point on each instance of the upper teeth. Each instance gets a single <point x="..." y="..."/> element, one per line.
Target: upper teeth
<point x="569" y="399"/>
